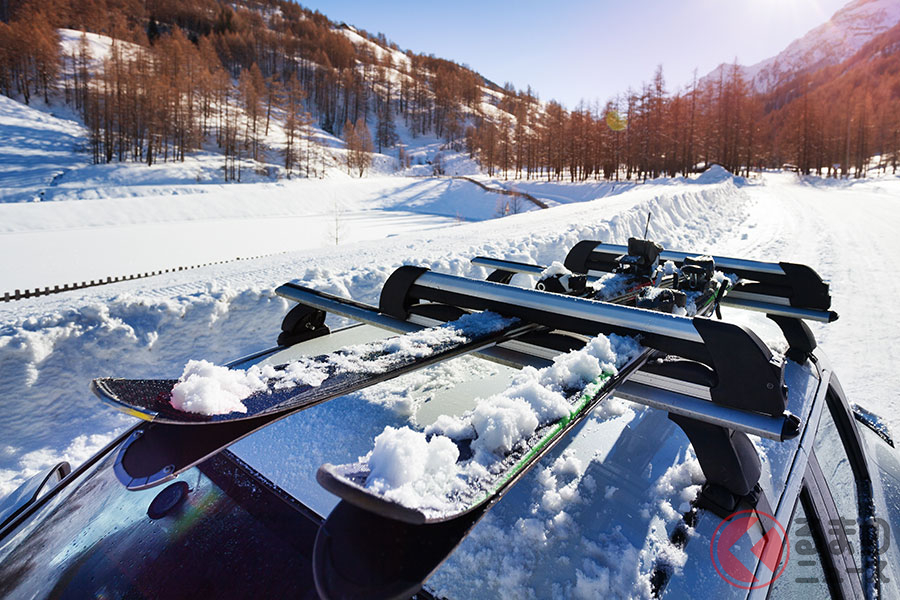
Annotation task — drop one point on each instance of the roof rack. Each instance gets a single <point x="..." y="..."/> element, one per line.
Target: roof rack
<point x="745" y="387"/>
<point x="718" y="381"/>
<point x="782" y="289"/>
<point x="787" y="293"/>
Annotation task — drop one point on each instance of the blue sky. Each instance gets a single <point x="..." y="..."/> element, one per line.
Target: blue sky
<point x="580" y="49"/>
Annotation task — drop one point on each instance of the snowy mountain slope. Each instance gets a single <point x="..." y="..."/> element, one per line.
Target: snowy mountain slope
<point x="47" y="147"/>
<point x="38" y="149"/>
<point x="830" y="43"/>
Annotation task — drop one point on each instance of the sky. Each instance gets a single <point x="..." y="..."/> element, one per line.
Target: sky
<point x="572" y="50"/>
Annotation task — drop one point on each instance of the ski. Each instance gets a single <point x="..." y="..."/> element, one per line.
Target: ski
<point x="419" y="538"/>
<point x="158" y="451"/>
<point x="309" y="380"/>
<point x="349" y="481"/>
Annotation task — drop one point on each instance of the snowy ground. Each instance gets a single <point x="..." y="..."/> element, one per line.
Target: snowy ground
<point x="51" y="347"/>
<point x="847" y="231"/>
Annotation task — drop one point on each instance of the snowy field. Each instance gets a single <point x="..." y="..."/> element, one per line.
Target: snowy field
<point x="51" y="347"/>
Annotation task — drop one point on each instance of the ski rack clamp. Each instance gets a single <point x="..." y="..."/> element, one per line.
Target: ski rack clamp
<point x="794" y="289"/>
<point x="786" y="292"/>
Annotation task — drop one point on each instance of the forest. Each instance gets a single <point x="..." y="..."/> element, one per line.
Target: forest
<point x="182" y="75"/>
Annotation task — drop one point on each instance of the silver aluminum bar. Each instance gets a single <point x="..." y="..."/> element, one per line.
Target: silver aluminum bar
<point x="769" y="299"/>
<point x="345" y="308"/>
<point x="672" y="385"/>
<point x="512" y="267"/>
<point x="581" y="308"/>
<point x="702" y="410"/>
<point x="776" y="309"/>
<point x="723" y="263"/>
<point x="772" y="305"/>
<point x="513" y="356"/>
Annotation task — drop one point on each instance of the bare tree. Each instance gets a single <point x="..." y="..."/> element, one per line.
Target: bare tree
<point x="359" y="146"/>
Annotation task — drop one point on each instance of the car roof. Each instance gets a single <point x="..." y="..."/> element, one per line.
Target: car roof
<point x="597" y="513"/>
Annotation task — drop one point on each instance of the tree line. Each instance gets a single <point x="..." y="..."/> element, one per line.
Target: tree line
<point x="184" y="74"/>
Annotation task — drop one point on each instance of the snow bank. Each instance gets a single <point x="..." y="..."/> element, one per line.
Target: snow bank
<point x="714" y="174"/>
<point x="48" y="360"/>
<point x="51" y="347"/>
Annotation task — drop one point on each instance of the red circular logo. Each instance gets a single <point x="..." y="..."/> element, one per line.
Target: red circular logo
<point x="735" y="532"/>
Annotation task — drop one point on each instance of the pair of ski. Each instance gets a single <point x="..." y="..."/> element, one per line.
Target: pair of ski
<point x="161" y="450"/>
<point x="369" y="546"/>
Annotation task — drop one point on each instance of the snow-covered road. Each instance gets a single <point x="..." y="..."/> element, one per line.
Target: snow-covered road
<point x="850" y="233"/>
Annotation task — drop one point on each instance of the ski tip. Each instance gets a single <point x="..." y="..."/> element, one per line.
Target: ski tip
<point x="345" y="482"/>
<point x="106" y="389"/>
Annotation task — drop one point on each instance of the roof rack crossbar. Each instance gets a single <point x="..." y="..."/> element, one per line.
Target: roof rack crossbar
<point x="801" y="285"/>
<point x="738" y="298"/>
<point x="364" y="313"/>
<point x="649" y="391"/>
<point x="748" y="375"/>
<point x="774" y="428"/>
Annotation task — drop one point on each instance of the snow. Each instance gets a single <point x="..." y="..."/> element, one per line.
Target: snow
<point x="555" y="268"/>
<point x="209" y="389"/>
<point x="410" y="469"/>
<point x="435" y="483"/>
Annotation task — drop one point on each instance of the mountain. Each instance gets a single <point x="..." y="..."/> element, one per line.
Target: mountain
<point x="833" y="42"/>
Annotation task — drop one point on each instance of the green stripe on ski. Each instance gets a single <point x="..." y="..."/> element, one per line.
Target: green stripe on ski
<point x="715" y="296"/>
<point x="586" y="398"/>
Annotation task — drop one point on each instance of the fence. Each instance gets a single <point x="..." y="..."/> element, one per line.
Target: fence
<point x="68" y="287"/>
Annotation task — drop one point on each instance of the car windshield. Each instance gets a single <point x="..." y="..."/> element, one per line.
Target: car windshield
<point x="96" y="539"/>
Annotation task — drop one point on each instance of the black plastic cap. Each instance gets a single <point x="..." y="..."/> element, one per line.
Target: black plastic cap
<point x="395" y="300"/>
<point x="168" y="499"/>
<point x="791" y="427"/>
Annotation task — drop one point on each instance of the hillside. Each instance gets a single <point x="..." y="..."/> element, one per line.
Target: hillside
<point x="832" y="42"/>
<point x="217" y="149"/>
<point x="276" y="91"/>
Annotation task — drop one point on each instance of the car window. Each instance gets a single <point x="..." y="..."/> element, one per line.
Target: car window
<point x="103" y="541"/>
<point x="804" y="574"/>
<point x="838" y="472"/>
